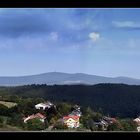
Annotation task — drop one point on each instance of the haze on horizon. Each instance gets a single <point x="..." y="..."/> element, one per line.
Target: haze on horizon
<point x="95" y="41"/>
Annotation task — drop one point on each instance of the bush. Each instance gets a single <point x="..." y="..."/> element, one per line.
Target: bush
<point x="115" y="127"/>
<point x="35" y="125"/>
<point x="60" y="126"/>
<point x="128" y="125"/>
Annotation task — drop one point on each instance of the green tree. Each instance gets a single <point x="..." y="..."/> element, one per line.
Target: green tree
<point x="4" y="110"/>
<point x="46" y="123"/>
<point x="115" y="127"/>
<point x="35" y="125"/>
<point x="64" y="108"/>
<point x="60" y="126"/>
<point x="91" y="125"/>
<point x="1" y="122"/>
<point x="128" y="125"/>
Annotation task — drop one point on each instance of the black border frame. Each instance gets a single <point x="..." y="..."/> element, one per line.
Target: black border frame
<point x="69" y="4"/>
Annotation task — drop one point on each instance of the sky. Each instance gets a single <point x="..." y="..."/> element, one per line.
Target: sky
<point x="97" y="41"/>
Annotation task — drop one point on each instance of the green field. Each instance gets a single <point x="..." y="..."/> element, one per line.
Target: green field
<point x="10" y="128"/>
<point x="8" y="104"/>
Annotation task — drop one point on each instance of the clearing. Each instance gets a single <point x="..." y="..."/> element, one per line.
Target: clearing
<point x="8" y="104"/>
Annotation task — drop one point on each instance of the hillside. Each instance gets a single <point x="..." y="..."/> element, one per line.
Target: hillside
<point x="114" y="99"/>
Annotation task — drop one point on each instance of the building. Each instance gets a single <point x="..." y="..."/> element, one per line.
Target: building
<point x="71" y="121"/>
<point x="38" y="115"/>
<point x="76" y="107"/>
<point x="137" y="120"/>
<point x="109" y="120"/>
<point x="138" y="128"/>
<point x="44" y="106"/>
<point x="75" y="113"/>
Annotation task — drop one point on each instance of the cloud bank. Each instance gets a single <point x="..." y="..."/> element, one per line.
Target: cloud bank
<point x="126" y="24"/>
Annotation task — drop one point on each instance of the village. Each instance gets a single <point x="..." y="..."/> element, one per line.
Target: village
<point x="72" y="120"/>
<point x="38" y="114"/>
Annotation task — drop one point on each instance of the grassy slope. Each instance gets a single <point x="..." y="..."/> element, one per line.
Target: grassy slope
<point x="8" y="104"/>
<point x="10" y="128"/>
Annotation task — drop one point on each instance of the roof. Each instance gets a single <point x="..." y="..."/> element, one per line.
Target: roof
<point x="110" y="119"/>
<point x="45" y="104"/>
<point x="137" y="120"/>
<point x="38" y="115"/>
<point x="73" y="117"/>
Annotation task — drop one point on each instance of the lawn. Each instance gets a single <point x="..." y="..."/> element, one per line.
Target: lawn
<point x="10" y="128"/>
<point x="8" y="104"/>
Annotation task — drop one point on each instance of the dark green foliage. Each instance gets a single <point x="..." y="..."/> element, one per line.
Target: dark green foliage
<point x="1" y="121"/>
<point x="128" y="125"/>
<point x="26" y="107"/>
<point x="64" y="108"/>
<point x="35" y="125"/>
<point x="89" y="117"/>
<point x="60" y="126"/>
<point x="3" y="110"/>
<point x="91" y="125"/>
<point x="115" y="127"/>
<point x="114" y="99"/>
<point x="16" y="120"/>
<point x="46" y="123"/>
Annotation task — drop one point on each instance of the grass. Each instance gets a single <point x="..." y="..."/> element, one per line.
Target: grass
<point x="8" y="104"/>
<point x="10" y="128"/>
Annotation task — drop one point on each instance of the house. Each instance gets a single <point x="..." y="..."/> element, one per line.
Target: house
<point x="109" y="120"/>
<point x="71" y="121"/>
<point x="38" y="115"/>
<point x="75" y="113"/>
<point x="103" y="124"/>
<point x="76" y="107"/>
<point x="137" y="120"/>
<point x="138" y="128"/>
<point x="44" y="105"/>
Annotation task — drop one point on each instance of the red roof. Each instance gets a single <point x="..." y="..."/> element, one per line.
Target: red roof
<point x="113" y="119"/>
<point x="38" y="115"/>
<point x="73" y="117"/>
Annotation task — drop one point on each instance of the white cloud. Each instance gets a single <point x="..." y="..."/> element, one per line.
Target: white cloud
<point x="54" y="36"/>
<point x="94" y="36"/>
<point x="126" y="24"/>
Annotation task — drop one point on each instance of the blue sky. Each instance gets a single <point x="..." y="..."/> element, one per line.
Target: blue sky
<point x="96" y="41"/>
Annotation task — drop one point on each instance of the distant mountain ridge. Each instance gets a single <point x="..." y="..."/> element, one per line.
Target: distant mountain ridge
<point x="60" y="78"/>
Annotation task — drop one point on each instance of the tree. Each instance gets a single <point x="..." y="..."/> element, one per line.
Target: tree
<point x="4" y="110"/>
<point x="35" y="125"/>
<point x="91" y="125"/>
<point x="115" y="127"/>
<point x="1" y="122"/>
<point x="52" y="121"/>
<point x="46" y="123"/>
<point x="96" y="116"/>
<point x="64" y="108"/>
<point x="128" y="125"/>
<point x="60" y="126"/>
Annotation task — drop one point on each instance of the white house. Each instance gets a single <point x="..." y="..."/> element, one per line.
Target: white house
<point x="138" y="128"/>
<point x="137" y="120"/>
<point x="43" y="105"/>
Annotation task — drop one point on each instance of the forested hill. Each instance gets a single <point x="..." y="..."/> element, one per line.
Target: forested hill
<point x="114" y="99"/>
